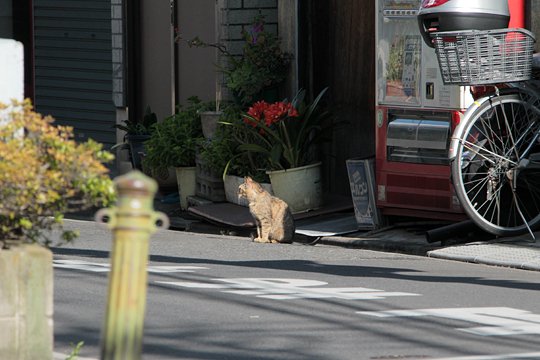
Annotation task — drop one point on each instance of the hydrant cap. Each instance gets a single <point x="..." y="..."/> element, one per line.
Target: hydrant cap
<point x="135" y="182"/>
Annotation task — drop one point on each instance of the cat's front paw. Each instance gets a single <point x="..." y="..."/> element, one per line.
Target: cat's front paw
<point x="261" y="240"/>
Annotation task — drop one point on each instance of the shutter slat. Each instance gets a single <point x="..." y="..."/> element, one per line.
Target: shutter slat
<point x="73" y="66"/>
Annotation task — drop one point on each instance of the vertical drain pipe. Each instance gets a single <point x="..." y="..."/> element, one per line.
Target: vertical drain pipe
<point x="517" y="13"/>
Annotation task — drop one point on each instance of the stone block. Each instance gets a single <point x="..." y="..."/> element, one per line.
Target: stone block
<point x="26" y="295"/>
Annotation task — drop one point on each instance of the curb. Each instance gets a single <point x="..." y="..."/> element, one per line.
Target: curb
<point x="521" y="255"/>
<point x="375" y="244"/>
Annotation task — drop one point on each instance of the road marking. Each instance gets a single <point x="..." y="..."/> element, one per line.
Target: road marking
<point x="495" y="321"/>
<point x="288" y="289"/>
<point x="527" y="356"/>
<point x="105" y="267"/>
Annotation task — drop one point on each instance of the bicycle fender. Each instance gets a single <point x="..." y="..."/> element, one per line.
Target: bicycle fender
<point x="471" y="111"/>
<point x="458" y="132"/>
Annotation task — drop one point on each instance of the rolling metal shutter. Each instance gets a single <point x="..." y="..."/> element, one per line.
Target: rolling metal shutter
<point x="73" y="66"/>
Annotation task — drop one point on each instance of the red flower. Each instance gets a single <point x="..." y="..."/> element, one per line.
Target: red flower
<point x="277" y="111"/>
<point x="256" y="111"/>
<point x="261" y="111"/>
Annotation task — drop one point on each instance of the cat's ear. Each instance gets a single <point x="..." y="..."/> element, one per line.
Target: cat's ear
<point x="248" y="180"/>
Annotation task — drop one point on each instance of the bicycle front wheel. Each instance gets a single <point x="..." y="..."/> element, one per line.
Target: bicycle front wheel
<point x="494" y="172"/>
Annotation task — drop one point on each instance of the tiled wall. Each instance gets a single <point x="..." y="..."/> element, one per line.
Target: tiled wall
<point x="237" y="14"/>
<point x="117" y="27"/>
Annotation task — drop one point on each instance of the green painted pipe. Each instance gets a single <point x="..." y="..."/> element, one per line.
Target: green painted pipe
<point x="132" y="221"/>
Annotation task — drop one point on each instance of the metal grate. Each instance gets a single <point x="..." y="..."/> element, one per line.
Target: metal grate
<point x="475" y="57"/>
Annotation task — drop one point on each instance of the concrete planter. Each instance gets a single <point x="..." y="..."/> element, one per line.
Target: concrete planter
<point x="26" y="295"/>
<point x="187" y="184"/>
<point x="209" y="122"/>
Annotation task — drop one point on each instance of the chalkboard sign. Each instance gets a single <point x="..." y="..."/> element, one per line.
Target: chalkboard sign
<point x="362" y="182"/>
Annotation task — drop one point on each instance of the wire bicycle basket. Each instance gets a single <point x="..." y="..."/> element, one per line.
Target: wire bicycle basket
<point x="474" y="57"/>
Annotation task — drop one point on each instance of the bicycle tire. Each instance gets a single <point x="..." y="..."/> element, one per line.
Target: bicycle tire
<point x="495" y="139"/>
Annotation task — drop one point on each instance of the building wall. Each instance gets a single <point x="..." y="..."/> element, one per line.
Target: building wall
<point x="118" y="53"/>
<point x="236" y="15"/>
<point x="197" y="72"/>
<point x="156" y="58"/>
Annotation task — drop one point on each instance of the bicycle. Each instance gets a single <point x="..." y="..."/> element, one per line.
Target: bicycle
<point x="495" y="149"/>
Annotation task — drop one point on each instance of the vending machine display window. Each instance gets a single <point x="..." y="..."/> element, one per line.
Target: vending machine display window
<point x="418" y="139"/>
<point x="399" y="77"/>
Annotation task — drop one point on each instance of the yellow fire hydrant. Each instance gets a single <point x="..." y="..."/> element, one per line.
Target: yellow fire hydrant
<point x="132" y="221"/>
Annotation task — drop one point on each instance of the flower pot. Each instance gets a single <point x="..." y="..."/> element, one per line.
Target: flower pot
<point x="299" y="187"/>
<point x="166" y="178"/>
<point x="187" y="184"/>
<point x="26" y="295"/>
<point x="209" y="122"/>
<point x="232" y="183"/>
<point x="136" y="148"/>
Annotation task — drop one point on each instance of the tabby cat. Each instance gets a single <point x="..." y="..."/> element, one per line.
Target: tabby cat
<point x="275" y="223"/>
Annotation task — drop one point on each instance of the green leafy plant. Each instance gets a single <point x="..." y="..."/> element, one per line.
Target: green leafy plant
<point x="44" y="174"/>
<point x="221" y="154"/>
<point x="174" y="140"/>
<point x="75" y="352"/>
<point x="283" y="133"/>
<point x="216" y="152"/>
<point x="261" y="65"/>
<point x="143" y="127"/>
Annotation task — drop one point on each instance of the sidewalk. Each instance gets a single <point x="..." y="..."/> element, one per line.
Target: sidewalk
<point x="519" y="252"/>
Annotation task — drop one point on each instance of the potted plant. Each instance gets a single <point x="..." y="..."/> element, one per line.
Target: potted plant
<point x="173" y="145"/>
<point x="210" y="117"/>
<point x="285" y="135"/>
<point x="212" y="156"/>
<point x="223" y="162"/>
<point x="258" y="71"/>
<point x="137" y="132"/>
<point x="44" y="174"/>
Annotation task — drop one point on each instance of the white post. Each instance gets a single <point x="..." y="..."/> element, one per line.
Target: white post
<point x="11" y="73"/>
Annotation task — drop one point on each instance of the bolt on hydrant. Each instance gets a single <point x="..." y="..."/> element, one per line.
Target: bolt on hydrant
<point x="132" y="221"/>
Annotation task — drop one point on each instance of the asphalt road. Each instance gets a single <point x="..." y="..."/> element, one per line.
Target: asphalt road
<point x="218" y="297"/>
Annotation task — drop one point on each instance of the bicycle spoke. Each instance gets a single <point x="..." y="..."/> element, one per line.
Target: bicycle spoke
<point x="521" y="214"/>
<point x="495" y="186"/>
<point x="472" y="147"/>
<point x="494" y="202"/>
<point x="476" y="190"/>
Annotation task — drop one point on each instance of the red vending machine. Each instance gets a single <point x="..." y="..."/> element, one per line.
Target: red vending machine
<point x="415" y="116"/>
